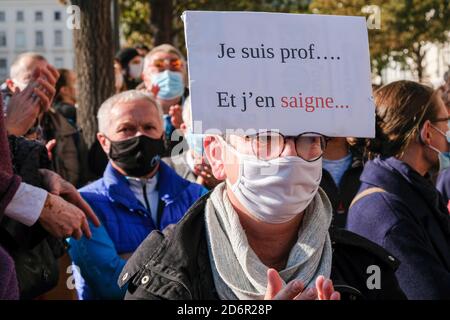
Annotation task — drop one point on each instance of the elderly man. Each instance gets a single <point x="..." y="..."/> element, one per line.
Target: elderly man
<point x="165" y="75"/>
<point x="267" y="225"/>
<point x="137" y="194"/>
<point x="52" y="127"/>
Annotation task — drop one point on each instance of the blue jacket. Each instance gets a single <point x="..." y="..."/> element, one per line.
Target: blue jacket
<point x="443" y="185"/>
<point x="125" y="224"/>
<point x="411" y="221"/>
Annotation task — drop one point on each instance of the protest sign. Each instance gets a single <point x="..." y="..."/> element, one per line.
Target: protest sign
<point x="292" y="72"/>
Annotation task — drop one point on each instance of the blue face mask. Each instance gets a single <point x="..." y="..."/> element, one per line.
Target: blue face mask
<point x="195" y="142"/>
<point x="444" y="157"/>
<point x="444" y="160"/>
<point x="170" y="84"/>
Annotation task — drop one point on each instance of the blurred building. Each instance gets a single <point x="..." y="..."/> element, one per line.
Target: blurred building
<point x="39" y="26"/>
<point x="436" y="63"/>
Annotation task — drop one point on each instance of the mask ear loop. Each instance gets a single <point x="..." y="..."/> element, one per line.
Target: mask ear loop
<point x="227" y="146"/>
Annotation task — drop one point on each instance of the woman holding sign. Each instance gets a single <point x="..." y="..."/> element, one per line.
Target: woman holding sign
<point x="398" y="207"/>
<point x="263" y="234"/>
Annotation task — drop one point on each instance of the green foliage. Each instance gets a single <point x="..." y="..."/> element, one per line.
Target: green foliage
<point x="135" y="21"/>
<point x="406" y="25"/>
<point x="135" y="14"/>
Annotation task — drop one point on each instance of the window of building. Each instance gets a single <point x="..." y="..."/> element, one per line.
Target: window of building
<point x="59" y="62"/>
<point x="39" y="39"/>
<point x="19" y="16"/>
<point x="38" y="16"/>
<point x="57" y="15"/>
<point x="3" y="68"/>
<point x="20" y="39"/>
<point x="58" y="38"/>
<point x="3" y="41"/>
<point x="2" y="16"/>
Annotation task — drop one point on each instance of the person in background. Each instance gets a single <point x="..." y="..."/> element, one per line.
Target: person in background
<point x="67" y="147"/>
<point x="443" y="180"/>
<point x="165" y="76"/>
<point x="130" y="66"/>
<point x="63" y="137"/>
<point x="66" y="95"/>
<point x="138" y="193"/>
<point x="119" y="79"/>
<point x="142" y="49"/>
<point x="188" y="161"/>
<point x="398" y="206"/>
<point x="342" y="167"/>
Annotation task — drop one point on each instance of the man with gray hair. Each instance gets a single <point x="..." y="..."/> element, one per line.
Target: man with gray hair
<point x="138" y="193"/>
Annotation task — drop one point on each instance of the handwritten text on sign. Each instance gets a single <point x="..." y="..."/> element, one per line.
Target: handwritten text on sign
<point x="294" y="73"/>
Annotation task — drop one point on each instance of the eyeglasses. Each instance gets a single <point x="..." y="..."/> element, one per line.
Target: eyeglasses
<point x="440" y="119"/>
<point x="171" y="64"/>
<point x="271" y="144"/>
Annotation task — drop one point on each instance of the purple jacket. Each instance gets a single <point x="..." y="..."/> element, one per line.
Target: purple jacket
<point x="411" y="221"/>
<point x="9" y="183"/>
<point x="9" y="289"/>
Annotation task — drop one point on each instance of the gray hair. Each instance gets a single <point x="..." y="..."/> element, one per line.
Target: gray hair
<point x="19" y="71"/>
<point x="123" y="97"/>
<point x="168" y="48"/>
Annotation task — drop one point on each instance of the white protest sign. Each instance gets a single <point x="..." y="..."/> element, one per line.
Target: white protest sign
<point x="290" y="72"/>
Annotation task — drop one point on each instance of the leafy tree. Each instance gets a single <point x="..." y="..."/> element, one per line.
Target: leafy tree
<point x="406" y="26"/>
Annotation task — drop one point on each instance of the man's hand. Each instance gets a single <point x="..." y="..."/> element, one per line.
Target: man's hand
<point x="154" y="90"/>
<point x="60" y="187"/>
<point x="176" y="116"/>
<point x="325" y="289"/>
<point x="294" y="290"/>
<point x="62" y="219"/>
<point x="47" y="83"/>
<point x="205" y="176"/>
<point x="49" y="146"/>
<point x="24" y="107"/>
<point x="23" y="110"/>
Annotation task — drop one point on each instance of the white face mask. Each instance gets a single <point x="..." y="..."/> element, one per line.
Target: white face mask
<point x="135" y="70"/>
<point x="277" y="190"/>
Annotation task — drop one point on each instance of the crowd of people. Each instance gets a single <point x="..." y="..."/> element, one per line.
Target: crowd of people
<point x="153" y="210"/>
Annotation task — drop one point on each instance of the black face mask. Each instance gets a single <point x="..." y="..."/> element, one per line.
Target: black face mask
<point x="137" y="156"/>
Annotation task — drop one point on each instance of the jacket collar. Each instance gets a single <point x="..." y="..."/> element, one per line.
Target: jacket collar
<point x="397" y="177"/>
<point x="170" y="185"/>
<point x="417" y="193"/>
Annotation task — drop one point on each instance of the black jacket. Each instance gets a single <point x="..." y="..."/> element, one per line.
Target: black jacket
<point x="174" y="264"/>
<point x="33" y="249"/>
<point x="342" y="196"/>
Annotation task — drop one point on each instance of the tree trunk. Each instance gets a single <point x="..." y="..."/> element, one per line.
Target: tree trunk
<point x="419" y="56"/>
<point x="116" y="24"/>
<point x="93" y="45"/>
<point x="161" y="16"/>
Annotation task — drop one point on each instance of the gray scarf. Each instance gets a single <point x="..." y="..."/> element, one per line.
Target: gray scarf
<point x="239" y="273"/>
